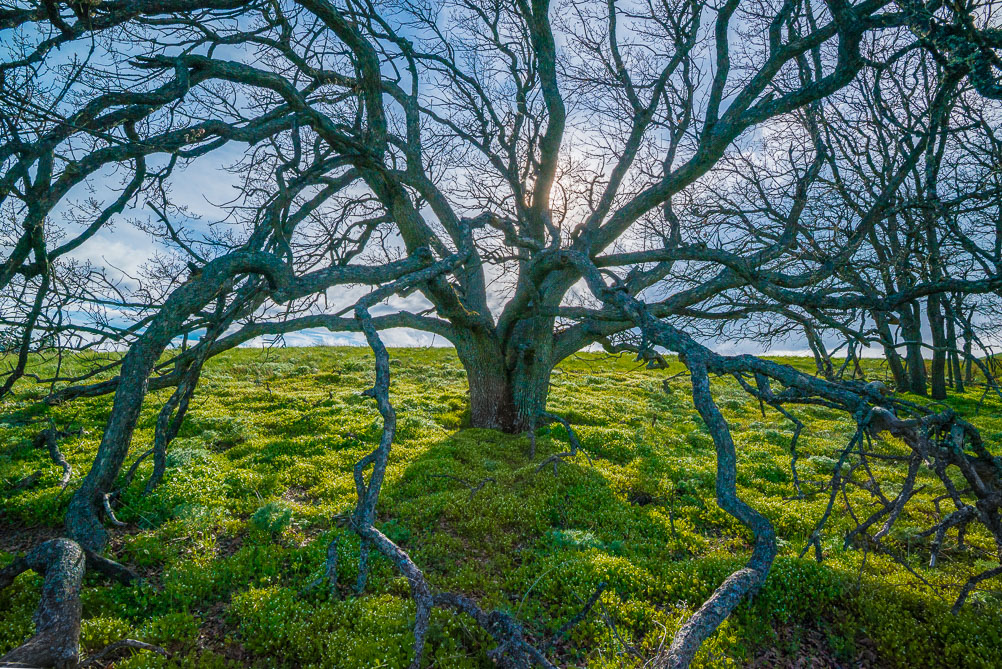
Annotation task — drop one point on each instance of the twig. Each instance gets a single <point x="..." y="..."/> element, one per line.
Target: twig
<point x="557" y="458"/>
<point x="578" y="617"/>
<point x="474" y="489"/>
<point x="110" y="649"/>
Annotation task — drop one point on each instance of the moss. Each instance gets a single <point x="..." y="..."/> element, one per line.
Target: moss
<point x="264" y="462"/>
<point x="272" y="518"/>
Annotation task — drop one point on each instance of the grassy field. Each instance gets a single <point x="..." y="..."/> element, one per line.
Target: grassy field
<point x="263" y="463"/>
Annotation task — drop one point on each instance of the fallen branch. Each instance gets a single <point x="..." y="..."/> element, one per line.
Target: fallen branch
<point x="557" y="458"/>
<point x="474" y="488"/>
<point x="578" y="617"/>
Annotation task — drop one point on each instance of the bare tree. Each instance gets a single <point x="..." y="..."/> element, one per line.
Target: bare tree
<point x="545" y="179"/>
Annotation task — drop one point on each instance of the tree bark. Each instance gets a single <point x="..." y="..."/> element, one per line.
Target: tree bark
<point x="890" y="353"/>
<point x="508" y="385"/>
<point x="911" y="330"/>
<point x="750" y="578"/>
<point x="955" y="368"/>
<point x="822" y="361"/>
<point x="951" y="335"/>
<point x="938" y="368"/>
<point x="83" y="516"/>
<point x="57" y="618"/>
<point x="968" y="347"/>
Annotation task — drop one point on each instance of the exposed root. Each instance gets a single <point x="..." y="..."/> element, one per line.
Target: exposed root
<point x="512" y="650"/>
<point x="109" y="512"/>
<point x="113" y="570"/>
<point x="971" y="584"/>
<point x="110" y="650"/>
<point x="26" y="482"/>
<point x="473" y="487"/>
<point x="578" y="617"/>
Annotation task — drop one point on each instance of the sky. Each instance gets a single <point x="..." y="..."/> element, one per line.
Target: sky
<point x="203" y="185"/>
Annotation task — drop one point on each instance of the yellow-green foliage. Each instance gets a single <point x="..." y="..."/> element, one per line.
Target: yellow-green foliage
<point x="241" y="523"/>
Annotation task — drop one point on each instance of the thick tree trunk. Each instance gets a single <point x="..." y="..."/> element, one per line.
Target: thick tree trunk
<point x="491" y="402"/>
<point x="507" y="390"/>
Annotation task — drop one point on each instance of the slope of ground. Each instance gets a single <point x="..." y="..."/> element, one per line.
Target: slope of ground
<point x="240" y="526"/>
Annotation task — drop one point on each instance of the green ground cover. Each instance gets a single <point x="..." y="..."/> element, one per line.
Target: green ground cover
<point x="263" y="463"/>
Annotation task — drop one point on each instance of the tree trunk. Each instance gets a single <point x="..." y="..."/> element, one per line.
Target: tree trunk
<point x="911" y="330"/>
<point x="968" y="349"/>
<point x="507" y="391"/>
<point x="83" y="517"/>
<point x="822" y="361"/>
<point x="939" y="344"/>
<point x="57" y="618"/>
<point x="890" y="353"/>
<point x="491" y="402"/>
<point x="951" y="336"/>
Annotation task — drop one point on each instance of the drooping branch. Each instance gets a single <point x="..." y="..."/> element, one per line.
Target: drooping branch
<point x="57" y="618"/>
<point x="938" y="437"/>
<point x="49" y="438"/>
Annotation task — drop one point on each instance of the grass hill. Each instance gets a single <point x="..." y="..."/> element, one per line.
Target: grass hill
<point x="239" y="528"/>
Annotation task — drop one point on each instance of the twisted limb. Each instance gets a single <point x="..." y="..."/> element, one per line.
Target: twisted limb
<point x="49" y="438"/>
<point x="942" y="439"/>
<point x="56" y="642"/>
<point x="557" y="458"/>
<point x="745" y="581"/>
<point x="512" y="648"/>
<point x="57" y="619"/>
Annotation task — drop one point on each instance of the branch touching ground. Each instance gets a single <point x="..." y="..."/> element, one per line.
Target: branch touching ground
<point x="745" y="581"/>
<point x="970" y="585"/>
<point x="57" y="618"/>
<point x="512" y="649"/>
<point x="557" y="458"/>
<point x="100" y="657"/>
<point x="473" y="487"/>
<point x="49" y="438"/>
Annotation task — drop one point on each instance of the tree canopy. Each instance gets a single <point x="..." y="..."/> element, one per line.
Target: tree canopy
<point x="523" y="179"/>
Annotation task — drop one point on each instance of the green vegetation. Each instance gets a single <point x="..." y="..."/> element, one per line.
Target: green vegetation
<point x="240" y="526"/>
